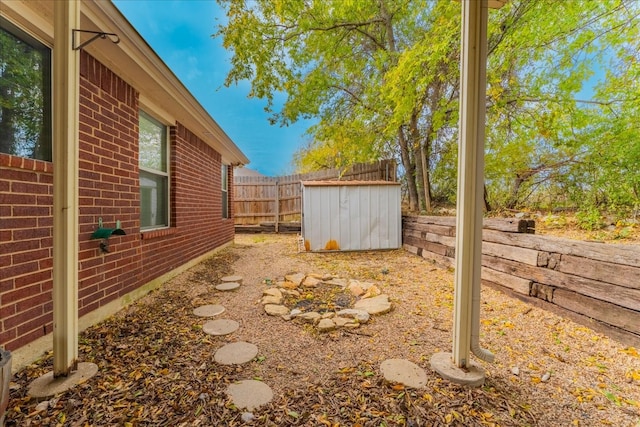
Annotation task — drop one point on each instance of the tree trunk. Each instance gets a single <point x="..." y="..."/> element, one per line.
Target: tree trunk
<point x="409" y="170"/>
<point x="487" y="205"/>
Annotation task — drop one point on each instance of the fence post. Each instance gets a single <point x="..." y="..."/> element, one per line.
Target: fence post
<point x="277" y="207"/>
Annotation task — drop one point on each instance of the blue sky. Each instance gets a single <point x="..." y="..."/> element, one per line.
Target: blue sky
<point x="180" y="33"/>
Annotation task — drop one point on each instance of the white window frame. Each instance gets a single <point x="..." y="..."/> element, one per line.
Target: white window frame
<point x="224" y="176"/>
<point x="166" y="174"/>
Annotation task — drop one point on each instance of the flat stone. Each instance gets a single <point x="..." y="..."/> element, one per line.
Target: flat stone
<point x="232" y="279"/>
<point x="296" y="278"/>
<point x="328" y="315"/>
<point x="375" y="305"/>
<point x="341" y="321"/>
<point x="404" y="372"/>
<point x="287" y="284"/>
<point x="236" y="353"/>
<point x="310" y="317"/>
<point x="228" y="286"/>
<point x="47" y="386"/>
<point x="372" y="291"/>
<point x="276" y="310"/>
<point x="270" y="299"/>
<point x="209" y="310"/>
<point x="220" y="327"/>
<point x="292" y="292"/>
<point x="472" y="376"/>
<point x="310" y="282"/>
<point x="360" y="315"/>
<point x="326" y="325"/>
<point x="274" y="292"/>
<point x="295" y="312"/>
<point x="355" y="289"/>
<point x="337" y="282"/>
<point x="249" y="394"/>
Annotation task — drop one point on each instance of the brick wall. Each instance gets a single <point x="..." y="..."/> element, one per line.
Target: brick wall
<point x="26" y="238"/>
<point x="108" y="188"/>
<point x="108" y="185"/>
<point x="196" y="207"/>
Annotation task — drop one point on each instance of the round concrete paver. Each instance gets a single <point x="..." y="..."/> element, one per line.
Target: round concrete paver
<point x="249" y="394"/>
<point x="228" y="286"/>
<point x="403" y="372"/>
<point x="236" y="353"/>
<point x="220" y="327"/>
<point x="209" y="310"/>
<point x="232" y="279"/>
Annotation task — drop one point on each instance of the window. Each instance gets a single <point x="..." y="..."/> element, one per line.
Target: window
<point x="225" y="192"/>
<point x="154" y="173"/>
<point x="25" y="94"/>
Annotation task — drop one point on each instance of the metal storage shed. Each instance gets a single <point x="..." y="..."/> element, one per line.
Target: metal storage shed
<point x="351" y="215"/>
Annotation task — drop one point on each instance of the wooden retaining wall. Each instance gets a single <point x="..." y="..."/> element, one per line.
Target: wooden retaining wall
<point x="273" y="204"/>
<point x="594" y="283"/>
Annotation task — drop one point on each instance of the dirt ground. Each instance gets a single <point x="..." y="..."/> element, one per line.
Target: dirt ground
<point x="156" y="366"/>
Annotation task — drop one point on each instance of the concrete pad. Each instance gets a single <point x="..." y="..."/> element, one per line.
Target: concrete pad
<point x="404" y="372"/>
<point x="209" y="310"/>
<point x="232" y="279"/>
<point x="220" y="327"/>
<point x="249" y="394"/>
<point x="47" y="386"/>
<point x="228" y="286"/>
<point x="472" y="376"/>
<point x="236" y="353"/>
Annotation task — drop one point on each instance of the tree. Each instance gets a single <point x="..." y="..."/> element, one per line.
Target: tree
<point x="381" y="77"/>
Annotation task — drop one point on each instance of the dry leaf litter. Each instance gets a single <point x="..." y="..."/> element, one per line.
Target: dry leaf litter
<point x="157" y="367"/>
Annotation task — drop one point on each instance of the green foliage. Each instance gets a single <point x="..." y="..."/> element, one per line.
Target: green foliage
<point x="589" y="219"/>
<point x="382" y="79"/>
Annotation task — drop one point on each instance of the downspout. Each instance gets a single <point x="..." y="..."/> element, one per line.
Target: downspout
<point x="480" y="352"/>
<point x="480" y="84"/>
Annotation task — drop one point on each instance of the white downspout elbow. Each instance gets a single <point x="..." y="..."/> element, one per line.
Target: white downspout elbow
<point x="480" y="352"/>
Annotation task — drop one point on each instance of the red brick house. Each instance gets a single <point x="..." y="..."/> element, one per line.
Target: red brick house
<point x="150" y="157"/>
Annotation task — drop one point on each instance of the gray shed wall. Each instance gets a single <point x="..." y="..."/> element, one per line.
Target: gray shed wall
<point x="356" y="217"/>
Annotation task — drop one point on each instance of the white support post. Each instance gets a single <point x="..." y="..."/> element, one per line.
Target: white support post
<point x="470" y="173"/>
<point x="65" y="188"/>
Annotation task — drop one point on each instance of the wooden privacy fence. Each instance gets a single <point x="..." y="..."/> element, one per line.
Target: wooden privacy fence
<point x="274" y="204"/>
<point x="587" y="280"/>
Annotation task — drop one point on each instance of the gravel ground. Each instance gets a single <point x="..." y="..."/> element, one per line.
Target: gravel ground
<point x="156" y="365"/>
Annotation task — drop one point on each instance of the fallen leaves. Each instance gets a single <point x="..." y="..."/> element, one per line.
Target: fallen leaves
<point x="156" y="367"/>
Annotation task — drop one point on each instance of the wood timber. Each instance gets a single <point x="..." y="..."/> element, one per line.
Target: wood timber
<point x="584" y="280"/>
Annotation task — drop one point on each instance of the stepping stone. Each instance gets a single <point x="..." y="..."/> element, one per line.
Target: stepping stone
<point x="375" y="305"/>
<point x="209" y="310"/>
<point x="236" y="353"/>
<point x="249" y="394"/>
<point x="232" y="279"/>
<point x="220" y="327"/>
<point x="228" y="286"/>
<point x="404" y="372"/>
